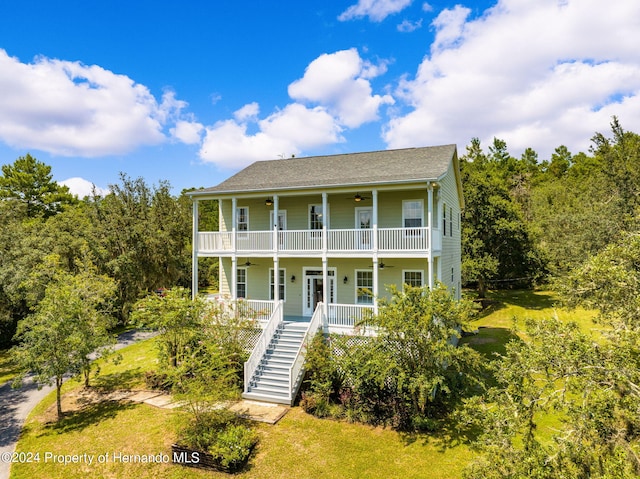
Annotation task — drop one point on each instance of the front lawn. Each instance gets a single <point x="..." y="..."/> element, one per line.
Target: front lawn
<point x="300" y="445"/>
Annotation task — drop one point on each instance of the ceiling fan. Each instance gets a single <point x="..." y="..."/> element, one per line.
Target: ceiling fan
<point x="382" y="265"/>
<point x="358" y="198"/>
<point x="249" y="263"/>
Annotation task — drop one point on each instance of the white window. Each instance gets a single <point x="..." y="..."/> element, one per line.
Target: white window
<point x="241" y="283"/>
<point x="242" y="218"/>
<point x="364" y="287"/>
<point x="444" y="220"/>
<point x="316" y="217"/>
<point x="412" y="216"/>
<point x="281" y="284"/>
<point x="450" y="221"/>
<point x="413" y="278"/>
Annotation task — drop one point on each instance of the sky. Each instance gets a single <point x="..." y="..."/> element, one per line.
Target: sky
<point x="191" y="92"/>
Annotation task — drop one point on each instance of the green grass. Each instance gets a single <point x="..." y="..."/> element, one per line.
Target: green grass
<point x="300" y="445"/>
<point x="8" y="370"/>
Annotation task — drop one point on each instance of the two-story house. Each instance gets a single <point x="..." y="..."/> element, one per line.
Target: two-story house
<point x="312" y="243"/>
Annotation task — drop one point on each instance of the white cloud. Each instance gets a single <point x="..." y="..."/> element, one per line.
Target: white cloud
<point x="538" y="73"/>
<point x="81" y="187"/>
<point x="189" y="132"/>
<point x="247" y="112"/>
<point x="340" y="81"/>
<point x="376" y="10"/>
<point x="230" y="144"/>
<point x="407" y="26"/>
<point x="335" y="93"/>
<point x="67" y="108"/>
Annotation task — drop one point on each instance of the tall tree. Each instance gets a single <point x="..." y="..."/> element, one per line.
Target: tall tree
<point x="496" y="242"/>
<point x="68" y="324"/>
<point x="620" y="157"/>
<point x="144" y="236"/>
<point x="29" y="181"/>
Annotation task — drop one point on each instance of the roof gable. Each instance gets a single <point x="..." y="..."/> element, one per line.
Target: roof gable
<point x="368" y="168"/>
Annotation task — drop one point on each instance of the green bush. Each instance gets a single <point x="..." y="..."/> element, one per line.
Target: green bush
<point x="233" y="446"/>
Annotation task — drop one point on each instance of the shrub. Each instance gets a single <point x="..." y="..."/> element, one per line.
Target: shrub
<point x="233" y="445"/>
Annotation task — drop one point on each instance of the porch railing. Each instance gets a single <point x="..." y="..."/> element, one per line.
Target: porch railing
<point x="262" y="344"/>
<point x="310" y="241"/>
<point x="296" y="370"/>
<point x="348" y="316"/>
<point x="258" y="309"/>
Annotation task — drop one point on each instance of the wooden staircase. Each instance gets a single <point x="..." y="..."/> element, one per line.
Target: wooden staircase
<point x="270" y="382"/>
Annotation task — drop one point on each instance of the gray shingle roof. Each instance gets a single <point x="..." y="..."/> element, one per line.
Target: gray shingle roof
<point x="353" y="169"/>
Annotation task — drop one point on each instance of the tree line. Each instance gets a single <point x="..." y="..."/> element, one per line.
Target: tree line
<point x="528" y="221"/>
<point x="525" y="221"/>
<point x="138" y="236"/>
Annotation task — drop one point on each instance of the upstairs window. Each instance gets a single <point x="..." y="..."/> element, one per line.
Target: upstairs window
<point x="444" y="220"/>
<point x="316" y="217"/>
<point x="450" y="221"/>
<point x="242" y="218"/>
<point x="412" y="214"/>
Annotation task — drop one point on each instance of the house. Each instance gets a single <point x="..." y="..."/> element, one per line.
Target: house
<point x="310" y="243"/>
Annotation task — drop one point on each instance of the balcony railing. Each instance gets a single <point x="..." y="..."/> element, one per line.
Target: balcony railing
<point x="311" y="241"/>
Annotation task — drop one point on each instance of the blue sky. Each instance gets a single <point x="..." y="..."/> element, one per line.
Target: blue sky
<point x="191" y="92"/>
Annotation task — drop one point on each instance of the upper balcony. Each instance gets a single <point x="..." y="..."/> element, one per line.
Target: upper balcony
<point x="386" y="242"/>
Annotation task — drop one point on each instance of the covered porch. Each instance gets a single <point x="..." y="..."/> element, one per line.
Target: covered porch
<point x="334" y="318"/>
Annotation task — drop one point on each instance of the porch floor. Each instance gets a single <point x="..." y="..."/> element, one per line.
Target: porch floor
<point x="296" y="319"/>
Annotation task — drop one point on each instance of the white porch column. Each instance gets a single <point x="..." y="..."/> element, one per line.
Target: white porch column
<point x="234" y="223"/>
<point x="376" y="289"/>
<point x="276" y="278"/>
<point x="325" y="286"/>
<point x="275" y="225"/>
<point x="430" y="233"/>
<point x="194" y="252"/>
<point x="375" y="284"/>
<point x="276" y="260"/>
<point x="234" y="244"/>
<point x="234" y="277"/>
<point x="325" y="261"/>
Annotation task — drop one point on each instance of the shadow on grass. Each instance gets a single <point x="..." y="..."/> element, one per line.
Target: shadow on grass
<point x="490" y="341"/>
<point x="524" y="298"/>
<point x="89" y="415"/>
<point x="120" y="380"/>
<point x="450" y="434"/>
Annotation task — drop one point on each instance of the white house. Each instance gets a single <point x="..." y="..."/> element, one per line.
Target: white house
<point x="312" y="242"/>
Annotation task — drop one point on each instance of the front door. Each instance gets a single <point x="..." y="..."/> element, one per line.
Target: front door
<point x="314" y="290"/>
<point x="363" y="227"/>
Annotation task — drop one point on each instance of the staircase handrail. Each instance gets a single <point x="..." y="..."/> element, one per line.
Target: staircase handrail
<point x="262" y="344"/>
<point x="296" y="368"/>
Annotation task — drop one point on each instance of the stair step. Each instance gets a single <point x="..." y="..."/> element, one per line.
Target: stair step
<point x="271" y="390"/>
<point x="277" y="361"/>
<point x="284" y="347"/>
<point x="284" y="353"/>
<point x="273" y="372"/>
<point x="278" y="399"/>
<point x="260" y="381"/>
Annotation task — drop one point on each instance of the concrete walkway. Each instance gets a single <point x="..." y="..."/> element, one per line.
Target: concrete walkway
<point x="253" y="410"/>
<point x="16" y="404"/>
